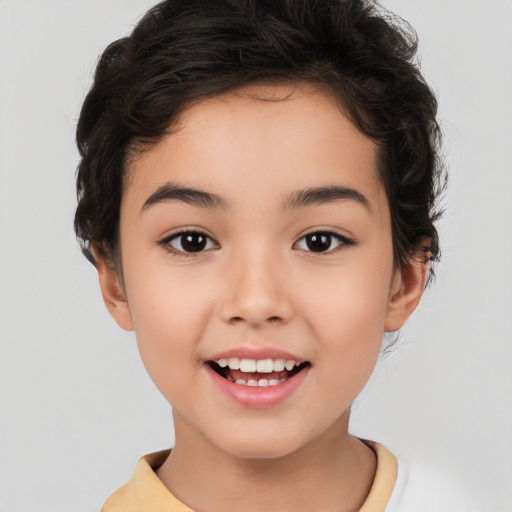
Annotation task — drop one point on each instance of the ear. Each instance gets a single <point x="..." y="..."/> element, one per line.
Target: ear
<point x="112" y="291"/>
<point x="406" y="291"/>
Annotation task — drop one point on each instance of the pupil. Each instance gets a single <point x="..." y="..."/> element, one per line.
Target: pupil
<point x="318" y="242"/>
<point x="193" y="242"/>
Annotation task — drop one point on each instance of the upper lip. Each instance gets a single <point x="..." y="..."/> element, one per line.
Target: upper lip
<point x="248" y="352"/>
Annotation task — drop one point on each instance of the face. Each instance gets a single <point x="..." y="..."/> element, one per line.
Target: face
<point x="258" y="269"/>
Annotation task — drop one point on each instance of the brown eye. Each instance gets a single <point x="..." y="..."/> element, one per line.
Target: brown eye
<point x="322" y="241"/>
<point x="318" y="242"/>
<point x="190" y="242"/>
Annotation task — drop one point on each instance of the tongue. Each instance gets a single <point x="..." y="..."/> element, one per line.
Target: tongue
<point x="238" y="375"/>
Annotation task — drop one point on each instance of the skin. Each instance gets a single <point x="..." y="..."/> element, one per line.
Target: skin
<point x="257" y="284"/>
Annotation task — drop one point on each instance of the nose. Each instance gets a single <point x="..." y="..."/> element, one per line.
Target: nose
<point x="256" y="291"/>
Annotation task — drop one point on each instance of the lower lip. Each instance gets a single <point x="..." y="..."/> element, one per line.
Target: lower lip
<point x="257" y="396"/>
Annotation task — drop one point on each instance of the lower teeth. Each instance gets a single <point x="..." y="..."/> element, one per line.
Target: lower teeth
<point x="259" y="383"/>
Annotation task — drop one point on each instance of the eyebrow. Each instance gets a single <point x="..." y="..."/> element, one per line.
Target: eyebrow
<point x="302" y="198"/>
<point x="325" y="195"/>
<point x="174" y="192"/>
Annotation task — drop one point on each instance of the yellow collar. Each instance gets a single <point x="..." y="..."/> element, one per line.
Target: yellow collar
<point x="145" y="492"/>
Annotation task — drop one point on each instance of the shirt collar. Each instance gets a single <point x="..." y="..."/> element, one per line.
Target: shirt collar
<point x="145" y="491"/>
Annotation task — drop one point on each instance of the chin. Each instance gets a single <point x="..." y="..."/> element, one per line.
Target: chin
<point x="261" y="445"/>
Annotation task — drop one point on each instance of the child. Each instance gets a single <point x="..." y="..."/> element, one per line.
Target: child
<point x="257" y="191"/>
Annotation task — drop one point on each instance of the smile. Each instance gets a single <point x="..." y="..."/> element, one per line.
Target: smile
<point x="257" y="372"/>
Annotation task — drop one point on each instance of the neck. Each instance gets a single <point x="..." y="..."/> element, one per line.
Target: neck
<point x="332" y="473"/>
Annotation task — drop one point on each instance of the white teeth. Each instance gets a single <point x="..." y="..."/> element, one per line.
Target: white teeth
<point x="258" y="365"/>
<point x="234" y="363"/>
<point x="259" y="383"/>
<point x="279" y="365"/>
<point x="289" y="365"/>
<point x="248" y="365"/>
<point x="265" y="366"/>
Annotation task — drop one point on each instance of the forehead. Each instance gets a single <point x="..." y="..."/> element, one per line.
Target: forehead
<point x="262" y="139"/>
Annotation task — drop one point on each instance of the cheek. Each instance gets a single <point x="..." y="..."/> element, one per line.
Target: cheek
<point x="169" y="314"/>
<point x="347" y="314"/>
<point x="351" y="301"/>
<point x="165" y="301"/>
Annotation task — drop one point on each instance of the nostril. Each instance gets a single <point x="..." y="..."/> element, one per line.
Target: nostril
<point x="271" y="319"/>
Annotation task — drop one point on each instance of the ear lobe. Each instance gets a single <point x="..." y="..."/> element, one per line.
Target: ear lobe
<point x="112" y="291"/>
<point x="407" y="289"/>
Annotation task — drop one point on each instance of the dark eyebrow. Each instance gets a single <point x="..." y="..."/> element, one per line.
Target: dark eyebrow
<point x="325" y="195"/>
<point x="174" y="192"/>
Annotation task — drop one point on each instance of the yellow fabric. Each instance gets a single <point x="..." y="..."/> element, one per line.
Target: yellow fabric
<point x="146" y="493"/>
<point x="384" y="481"/>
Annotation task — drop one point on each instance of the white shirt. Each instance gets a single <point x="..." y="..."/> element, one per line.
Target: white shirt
<point x="420" y="488"/>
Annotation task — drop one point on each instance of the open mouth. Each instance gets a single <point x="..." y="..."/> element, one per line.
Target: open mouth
<point x="257" y="372"/>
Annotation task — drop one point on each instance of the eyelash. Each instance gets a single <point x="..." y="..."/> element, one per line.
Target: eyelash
<point x="166" y="243"/>
<point x="325" y="236"/>
<point x="343" y="241"/>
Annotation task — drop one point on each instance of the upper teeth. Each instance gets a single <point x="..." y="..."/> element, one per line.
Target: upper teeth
<point x="258" y="365"/>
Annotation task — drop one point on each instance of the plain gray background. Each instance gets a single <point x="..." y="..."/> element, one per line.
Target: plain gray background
<point x="76" y="406"/>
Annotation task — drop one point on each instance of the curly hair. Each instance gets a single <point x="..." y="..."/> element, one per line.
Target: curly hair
<point x="186" y="50"/>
